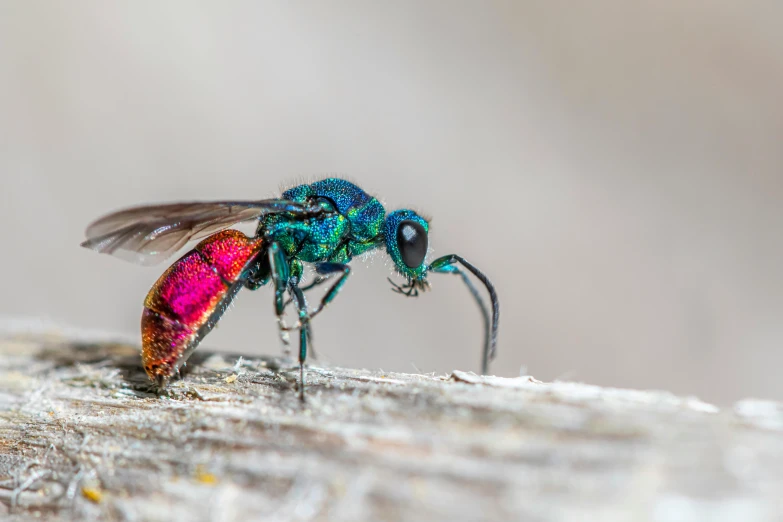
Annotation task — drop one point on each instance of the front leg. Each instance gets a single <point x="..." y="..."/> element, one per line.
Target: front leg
<point x="447" y="265"/>
<point x="454" y="269"/>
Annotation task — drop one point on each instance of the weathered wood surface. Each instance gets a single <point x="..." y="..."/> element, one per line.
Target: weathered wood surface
<point x="82" y="437"/>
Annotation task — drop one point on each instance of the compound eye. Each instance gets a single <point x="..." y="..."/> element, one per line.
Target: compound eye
<point x="412" y="242"/>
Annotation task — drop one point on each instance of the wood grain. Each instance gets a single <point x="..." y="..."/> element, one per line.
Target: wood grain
<point x="83" y="436"/>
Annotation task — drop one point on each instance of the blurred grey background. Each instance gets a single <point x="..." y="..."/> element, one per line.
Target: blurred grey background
<point x="616" y="168"/>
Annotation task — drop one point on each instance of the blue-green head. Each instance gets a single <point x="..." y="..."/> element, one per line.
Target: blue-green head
<point x="405" y="233"/>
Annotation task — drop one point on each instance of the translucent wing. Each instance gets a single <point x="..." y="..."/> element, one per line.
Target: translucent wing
<point x="149" y="234"/>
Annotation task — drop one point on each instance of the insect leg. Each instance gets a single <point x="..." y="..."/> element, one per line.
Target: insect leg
<point x="280" y="277"/>
<point x="445" y="264"/>
<point x="327" y="269"/>
<point x="324" y="270"/>
<point x="309" y="286"/>
<point x="304" y="334"/>
<point x="312" y="284"/>
<point x="454" y="269"/>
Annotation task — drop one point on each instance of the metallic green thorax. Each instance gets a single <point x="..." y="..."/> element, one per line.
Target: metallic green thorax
<point x="355" y="225"/>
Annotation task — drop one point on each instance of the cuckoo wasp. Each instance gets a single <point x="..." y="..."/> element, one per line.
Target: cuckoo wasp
<point x="326" y="224"/>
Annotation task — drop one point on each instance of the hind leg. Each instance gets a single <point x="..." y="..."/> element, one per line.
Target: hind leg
<point x="281" y="277"/>
<point x="283" y="281"/>
<point x="304" y="334"/>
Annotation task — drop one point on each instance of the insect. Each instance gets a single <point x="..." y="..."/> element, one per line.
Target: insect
<point x="326" y="223"/>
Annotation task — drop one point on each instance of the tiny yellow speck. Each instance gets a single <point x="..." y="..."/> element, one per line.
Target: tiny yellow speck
<point x="204" y="477"/>
<point x="92" y="494"/>
<point x="231" y="378"/>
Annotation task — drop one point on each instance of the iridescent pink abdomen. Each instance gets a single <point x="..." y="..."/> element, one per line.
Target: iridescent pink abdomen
<point x="184" y="303"/>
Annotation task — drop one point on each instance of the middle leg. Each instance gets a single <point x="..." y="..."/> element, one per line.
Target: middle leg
<point x="324" y="271"/>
